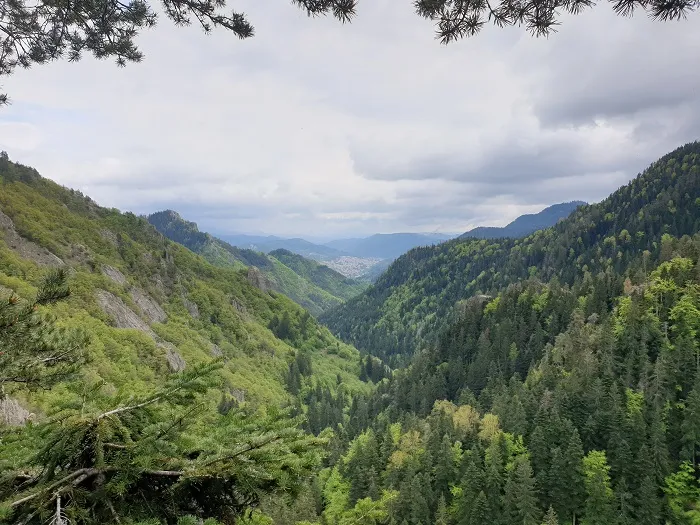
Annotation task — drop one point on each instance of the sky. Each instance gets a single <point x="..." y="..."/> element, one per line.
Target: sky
<point x="320" y="129"/>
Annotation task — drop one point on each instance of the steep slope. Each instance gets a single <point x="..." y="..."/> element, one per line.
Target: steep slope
<point x="314" y="296"/>
<point x="526" y="224"/>
<point x="318" y="252"/>
<point x="543" y="404"/>
<point x="386" y="245"/>
<point x="411" y="301"/>
<point x="152" y="306"/>
<point x="319" y="274"/>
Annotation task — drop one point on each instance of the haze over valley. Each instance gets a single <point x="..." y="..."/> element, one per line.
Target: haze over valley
<point x="349" y="262"/>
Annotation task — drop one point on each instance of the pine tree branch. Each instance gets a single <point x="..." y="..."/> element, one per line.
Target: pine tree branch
<point x="146" y="403"/>
<point x="55" y="485"/>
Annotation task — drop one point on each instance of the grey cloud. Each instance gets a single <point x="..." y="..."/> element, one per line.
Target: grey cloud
<point x="317" y="128"/>
<point x="626" y="68"/>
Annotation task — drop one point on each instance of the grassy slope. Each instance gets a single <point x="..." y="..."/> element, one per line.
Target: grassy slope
<point x="233" y="314"/>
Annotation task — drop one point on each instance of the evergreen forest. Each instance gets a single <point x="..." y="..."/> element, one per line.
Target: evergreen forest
<point x="550" y="379"/>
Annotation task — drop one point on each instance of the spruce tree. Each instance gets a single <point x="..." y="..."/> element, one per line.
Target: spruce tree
<point x="520" y="495"/>
<point x="441" y="515"/>
<point x="599" y="495"/>
<point x="551" y="517"/>
<point x="647" y="507"/>
<point x="34" y="352"/>
<point x="690" y="427"/>
<point x="111" y="460"/>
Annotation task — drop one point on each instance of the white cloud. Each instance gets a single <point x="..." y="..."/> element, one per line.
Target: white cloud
<point x="318" y="128"/>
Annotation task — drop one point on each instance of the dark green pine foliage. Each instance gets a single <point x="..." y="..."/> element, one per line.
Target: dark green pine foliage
<point x="521" y="504"/>
<point x="34" y="352"/>
<point x="107" y="460"/>
<point x="597" y="245"/>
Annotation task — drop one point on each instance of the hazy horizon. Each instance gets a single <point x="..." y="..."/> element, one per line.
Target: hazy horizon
<point x="380" y="129"/>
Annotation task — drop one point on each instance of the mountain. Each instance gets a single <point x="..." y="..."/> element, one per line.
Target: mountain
<point x="386" y="246"/>
<point x="546" y="403"/>
<point x="151" y="304"/>
<point x="407" y="306"/>
<point x="311" y="286"/>
<point x="526" y="224"/>
<point x="555" y="378"/>
<point x="270" y="243"/>
<point x="319" y="274"/>
<point x="543" y="380"/>
<point x="163" y="386"/>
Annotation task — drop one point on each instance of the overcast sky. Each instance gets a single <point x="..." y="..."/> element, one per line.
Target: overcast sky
<point x="321" y="129"/>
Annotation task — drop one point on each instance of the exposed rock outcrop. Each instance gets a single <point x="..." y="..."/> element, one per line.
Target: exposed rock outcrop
<point x="215" y="350"/>
<point x="110" y="237"/>
<point x="175" y="361"/>
<point x="237" y="394"/>
<point x="24" y="247"/>
<point x="114" y="274"/>
<point x="122" y="315"/>
<point x="258" y="279"/>
<point x="191" y="307"/>
<point x="12" y="413"/>
<point x="148" y="306"/>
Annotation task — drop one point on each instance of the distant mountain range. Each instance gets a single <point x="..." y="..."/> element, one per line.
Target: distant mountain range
<point x="387" y="245"/>
<point x="270" y="243"/>
<point x="307" y="282"/>
<point x="366" y="258"/>
<point x="526" y="224"/>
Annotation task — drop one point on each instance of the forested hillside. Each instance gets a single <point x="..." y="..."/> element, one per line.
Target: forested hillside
<point x="163" y="360"/>
<point x="549" y="403"/>
<point x="312" y="285"/>
<point x="551" y="380"/>
<point x="610" y="240"/>
<point x="322" y="276"/>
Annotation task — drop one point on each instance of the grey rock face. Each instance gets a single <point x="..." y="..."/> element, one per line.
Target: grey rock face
<point x="122" y="315"/>
<point x="24" y="247"/>
<point x="114" y="274"/>
<point x="149" y="308"/>
<point x="12" y="413"/>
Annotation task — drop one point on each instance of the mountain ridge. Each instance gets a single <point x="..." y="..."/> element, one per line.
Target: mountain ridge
<point x="526" y="224"/>
<point x="328" y="290"/>
<point x="419" y="289"/>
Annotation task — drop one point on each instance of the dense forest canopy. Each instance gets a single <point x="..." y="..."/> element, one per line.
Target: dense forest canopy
<point x="547" y="401"/>
<point x="556" y="382"/>
<point x="617" y="238"/>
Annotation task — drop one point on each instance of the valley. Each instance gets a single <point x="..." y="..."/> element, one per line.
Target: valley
<point x="545" y="378"/>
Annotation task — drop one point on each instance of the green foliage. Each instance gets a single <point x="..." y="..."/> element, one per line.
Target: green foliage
<point x="118" y="433"/>
<point x="142" y="458"/>
<point x="312" y="285"/>
<point x="33" y="351"/>
<point x="409" y="305"/>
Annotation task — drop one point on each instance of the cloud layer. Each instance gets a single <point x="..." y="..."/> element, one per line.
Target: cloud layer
<point x="318" y="128"/>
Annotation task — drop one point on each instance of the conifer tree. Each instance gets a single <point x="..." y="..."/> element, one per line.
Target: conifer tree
<point x="690" y="427"/>
<point x="441" y="515"/>
<point x="647" y="506"/>
<point x="34" y="352"/>
<point x="551" y="517"/>
<point x="480" y="512"/>
<point x="520" y="495"/>
<point x="112" y="460"/>
<point x="599" y="495"/>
